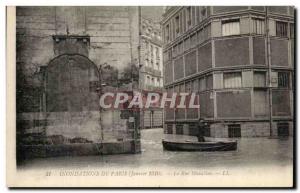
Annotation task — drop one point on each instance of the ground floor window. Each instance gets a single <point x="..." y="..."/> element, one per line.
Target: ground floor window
<point x="169" y="129"/>
<point x="234" y="130"/>
<point x="179" y="129"/>
<point x="283" y="129"/>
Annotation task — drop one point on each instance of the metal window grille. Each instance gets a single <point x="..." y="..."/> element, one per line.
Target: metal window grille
<point x="281" y="29"/>
<point x="283" y="79"/>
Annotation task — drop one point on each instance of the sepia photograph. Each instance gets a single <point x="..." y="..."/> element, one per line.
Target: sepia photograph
<point x="151" y="96"/>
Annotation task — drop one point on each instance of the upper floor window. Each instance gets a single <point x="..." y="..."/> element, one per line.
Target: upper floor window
<point x="258" y="26"/>
<point x="157" y="52"/>
<point x="202" y="84"/>
<point x="167" y="32"/>
<point x="292" y="30"/>
<point x="189" y="16"/>
<point x="259" y="79"/>
<point x="151" y="50"/>
<point x="281" y="29"/>
<point x="231" y="27"/>
<point x="177" y="24"/>
<point x="203" y="12"/>
<point x="180" y="48"/>
<point x="283" y="79"/>
<point x="186" y="44"/>
<point x="232" y="79"/>
<point x="158" y="82"/>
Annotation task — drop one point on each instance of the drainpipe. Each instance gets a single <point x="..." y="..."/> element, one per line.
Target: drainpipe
<point x="267" y="30"/>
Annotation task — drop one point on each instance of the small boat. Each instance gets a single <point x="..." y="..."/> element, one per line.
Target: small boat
<point x="200" y="146"/>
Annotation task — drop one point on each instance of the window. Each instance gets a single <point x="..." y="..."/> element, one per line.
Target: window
<point x="281" y="29"/>
<point x="175" y="50"/>
<point x="186" y="44"/>
<point x="292" y="30"/>
<point x="169" y="129"/>
<point x="283" y="129"/>
<point x="259" y="79"/>
<point x="195" y="85"/>
<point x="151" y="50"/>
<point x="170" y="54"/>
<point x="234" y="130"/>
<point x="283" y="79"/>
<point x="193" y="40"/>
<point x="232" y="80"/>
<point x="202" y="84"/>
<point x="231" y="27"/>
<point x="260" y="103"/>
<point x="177" y="24"/>
<point x="180" y="48"/>
<point x="200" y="36"/>
<point x="188" y="87"/>
<point x="146" y="44"/>
<point x="158" y="82"/>
<point x="189" y="16"/>
<point x="203" y="12"/>
<point x="152" y="81"/>
<point x="148" y="80"/>
<point x="157" y="52"/>
<point x="258" y="26"/>
<point x="197" y="14"/>
<point x="167" y="32"/>
<point x="209" y="82"/>
<point x="179" y="129"/>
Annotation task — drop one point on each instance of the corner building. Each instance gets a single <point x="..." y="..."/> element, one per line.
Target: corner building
<point x="239" y="60"/>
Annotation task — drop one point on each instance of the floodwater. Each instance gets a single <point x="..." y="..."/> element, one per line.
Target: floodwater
<point x="251" y="152"/>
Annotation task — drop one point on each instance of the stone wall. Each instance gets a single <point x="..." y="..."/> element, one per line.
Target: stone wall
<point x="107" y="37"/>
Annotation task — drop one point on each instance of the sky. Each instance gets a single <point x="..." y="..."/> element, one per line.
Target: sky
<point x="152" y="12"/>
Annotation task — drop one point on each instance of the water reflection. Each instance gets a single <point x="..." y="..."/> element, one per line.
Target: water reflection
<point x="251" y="152"/>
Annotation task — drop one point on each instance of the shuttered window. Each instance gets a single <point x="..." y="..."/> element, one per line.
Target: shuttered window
<point x="259" y="79"/>
<point x="258" y="26"/>
<point x="231" y="27"/>
<point x="232" y="80"/>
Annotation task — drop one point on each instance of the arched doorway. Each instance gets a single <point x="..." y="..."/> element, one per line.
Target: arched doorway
<point x="71" y="98"/>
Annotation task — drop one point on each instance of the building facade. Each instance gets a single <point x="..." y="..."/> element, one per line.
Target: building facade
<point x="66" y="58"/>
<point x="240" y="62"/>
<point x="151" y="71"/>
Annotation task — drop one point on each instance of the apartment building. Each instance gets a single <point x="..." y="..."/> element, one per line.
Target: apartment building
<point x="240" y="62"/>
<point x="151" y="71"/>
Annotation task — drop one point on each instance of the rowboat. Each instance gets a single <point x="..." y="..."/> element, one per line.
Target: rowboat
<point x="229" y="145"/>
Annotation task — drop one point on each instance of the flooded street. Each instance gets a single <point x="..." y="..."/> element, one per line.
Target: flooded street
<point x="251" y="152"/>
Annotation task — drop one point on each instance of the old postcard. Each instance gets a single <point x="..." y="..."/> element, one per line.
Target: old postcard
<point x="150" y="96"/>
